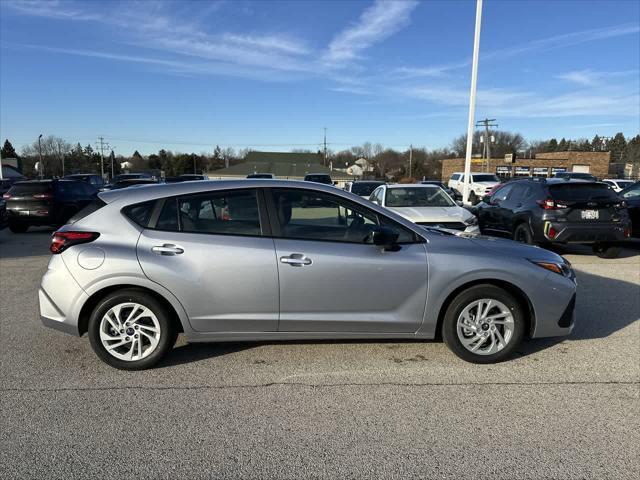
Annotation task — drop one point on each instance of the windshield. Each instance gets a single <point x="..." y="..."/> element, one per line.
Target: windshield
<point x="582" y="192"/>
<point x="485" y="178"/>
<point x="633" y="192"/>
<point x="418" y="197"/>
<point x="364" y="189"/>
<point x="624" y="184"/>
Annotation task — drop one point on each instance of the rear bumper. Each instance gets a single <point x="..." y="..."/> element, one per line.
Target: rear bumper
<point x="32" y="217"/>
<point x="584" y="233"/>
<point x="60" y="298"/>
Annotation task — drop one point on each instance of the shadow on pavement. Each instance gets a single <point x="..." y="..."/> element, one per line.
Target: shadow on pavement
<point x="33" y="243"/>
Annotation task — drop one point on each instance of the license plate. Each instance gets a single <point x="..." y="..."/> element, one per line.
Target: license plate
<point x="24" y="212"/>
<point x="590" y="214"/>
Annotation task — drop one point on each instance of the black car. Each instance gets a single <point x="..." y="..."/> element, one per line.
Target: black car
<point x="46" y="202"/>
<point x="3" y="214"/>
<point x="453" y="193"/>
<point x="90" y="178"/>
<point x="185" y="178"/>
<point x="319" y="178"/>
<point x="631" y="196"/>
<point x="364" y="188"/>
<point x="128" y="182"/>
<point x="546" y="211"/>
<point x="576" y="176"/>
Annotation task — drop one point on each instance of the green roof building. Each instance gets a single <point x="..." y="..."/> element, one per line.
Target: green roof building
<point x="284" y="165"/>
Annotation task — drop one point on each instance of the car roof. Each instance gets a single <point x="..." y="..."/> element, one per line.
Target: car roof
<point x="413" y="185"/>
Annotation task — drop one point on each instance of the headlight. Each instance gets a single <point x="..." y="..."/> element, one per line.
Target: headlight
<point x="563" y="268"/>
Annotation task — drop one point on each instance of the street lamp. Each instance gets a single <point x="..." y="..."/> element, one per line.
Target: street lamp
<point x="40" y="166"/>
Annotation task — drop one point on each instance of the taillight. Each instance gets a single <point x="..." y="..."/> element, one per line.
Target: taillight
<point x="550" y="204"/>
<point x="627" y="233"/>
<point x="6" y="196"/>
<point x="552" y="232"/>
<point x="41" y="196"/>
<point x="60" y="241"/>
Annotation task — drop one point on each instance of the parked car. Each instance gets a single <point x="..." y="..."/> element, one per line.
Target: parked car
<point x="319" y="178"/>
<point x="575" y="176"/>
<point x="261" y="175"/>
<point x="631" y="196"/>
<point x="46" y="202"/>
<point x="187" y="177"/>
<point x="427" y="205"/>
<point x="480" y="184"/>
<point x="4" y="219"/>
<point x="618" y="184"/>
<point x="557" y="211"/>
<point x="129" y="182"/>
<point x="246" y="261"/>
<point x="452" y="192"/>
<point x="91" y="178"/>
<point x="363" y="188"/>
<point x="129" y="176"/>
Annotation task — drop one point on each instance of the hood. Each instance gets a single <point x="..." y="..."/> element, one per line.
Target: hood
<point x="516" y="249"/>
<point x="486" y="184"/>
<point x="433" y="214"/>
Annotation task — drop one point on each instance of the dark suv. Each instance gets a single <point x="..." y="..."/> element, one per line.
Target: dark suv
<point x="90" y="178"/>
<point x="557" y="211"/>
<point x="46" y="202"/>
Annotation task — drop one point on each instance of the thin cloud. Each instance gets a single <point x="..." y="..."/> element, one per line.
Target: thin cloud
<point x="378" y="22"/>
<point x="589" y="78"/>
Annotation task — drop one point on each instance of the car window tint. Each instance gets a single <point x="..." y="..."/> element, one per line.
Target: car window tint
<point x="501" y="194"/>
<point x="229" y="213"/>
<point x="168" y="219"/>
<point x="140" y="213"/>
<point x="318" y="216"/>
<point x="633" y="192"/>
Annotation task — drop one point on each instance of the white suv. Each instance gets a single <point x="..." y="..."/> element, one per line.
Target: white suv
<point x="480" y="184"/>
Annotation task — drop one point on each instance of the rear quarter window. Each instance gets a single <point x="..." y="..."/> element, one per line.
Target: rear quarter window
<point x="30" y="188"/>
<point x="140" y="213"/>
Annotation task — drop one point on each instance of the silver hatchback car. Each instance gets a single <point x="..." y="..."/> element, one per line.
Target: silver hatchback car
<point x="262" y="260"/>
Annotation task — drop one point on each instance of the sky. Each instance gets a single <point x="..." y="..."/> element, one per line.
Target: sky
<point x="267" y="75"/>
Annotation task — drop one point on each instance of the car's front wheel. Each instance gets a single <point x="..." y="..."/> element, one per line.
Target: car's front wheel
<point x="606" y="250"/>
<point x="483" y="324"/>
<point x="131" y="330"/>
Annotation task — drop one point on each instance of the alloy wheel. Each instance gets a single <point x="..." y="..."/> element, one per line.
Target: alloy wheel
<point x="485" y="326"/>
<point x="129" y="331"/>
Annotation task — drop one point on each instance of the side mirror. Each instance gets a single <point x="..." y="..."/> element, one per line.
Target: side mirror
<point x="385" y="237"/>
<point x="460" y="203"/>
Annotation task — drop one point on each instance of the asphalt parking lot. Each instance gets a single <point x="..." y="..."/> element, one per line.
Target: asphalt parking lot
<point x="562" y="408"/>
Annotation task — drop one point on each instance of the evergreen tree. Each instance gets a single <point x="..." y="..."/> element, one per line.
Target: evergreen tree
<point x="632" y="151"/>
<point x="562" y="145"/>
<point x="617" y="147"/>
<point x="552" y="146"/>
<point x="8" y="151"/>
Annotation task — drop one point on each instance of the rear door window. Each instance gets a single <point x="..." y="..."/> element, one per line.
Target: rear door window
<point x="140" y="213"/>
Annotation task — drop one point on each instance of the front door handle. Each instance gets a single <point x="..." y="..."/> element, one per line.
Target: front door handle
<point x="167" y="249"/>
<point x="296" y="260"/>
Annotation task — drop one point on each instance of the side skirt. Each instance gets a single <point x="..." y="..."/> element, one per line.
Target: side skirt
<point x="268" y="336"/>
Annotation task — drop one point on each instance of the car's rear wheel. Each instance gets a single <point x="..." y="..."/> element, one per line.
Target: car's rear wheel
<point x="523" y="234"/>
<point x="606" y="250"/>
<point x="131" y="330"/>
<point x="483" y="324"/>
<point x="18" y="227"/>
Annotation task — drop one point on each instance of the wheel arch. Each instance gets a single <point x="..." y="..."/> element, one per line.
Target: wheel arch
<point x="95" y="298"/>
<point x="514" y="290"/>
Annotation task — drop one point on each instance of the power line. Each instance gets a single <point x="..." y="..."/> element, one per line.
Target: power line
<point x="487" y="141"/>
<point x="102" y="145"/>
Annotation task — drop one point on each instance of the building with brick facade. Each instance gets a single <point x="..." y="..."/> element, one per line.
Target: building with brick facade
<point x="544" y="165"/>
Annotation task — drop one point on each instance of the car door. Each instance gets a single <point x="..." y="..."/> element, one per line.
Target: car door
<point x="490" y="214"/>
<point x="332" y="279"/>
<point x="508" y="209"/>
<point x="213" y="251"/>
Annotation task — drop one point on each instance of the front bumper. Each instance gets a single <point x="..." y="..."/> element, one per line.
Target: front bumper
<point x="566" y="232"/>
<point x="60" y="298"/>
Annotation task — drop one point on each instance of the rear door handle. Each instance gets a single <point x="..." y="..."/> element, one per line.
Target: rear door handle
<point x="167" y="249"/>
<point x="296" y="260"/>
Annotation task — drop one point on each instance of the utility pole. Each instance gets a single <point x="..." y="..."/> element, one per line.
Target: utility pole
<point x="194" y="163"/>
<point x="486" y="123"/>
<point x="472" y="101"/>
<point x="40" y="165"/>
<point x="410" y="158"/>
<point x="101" y="145"/>
<point x="325" y="146"/>
<point x="61" y="157"/>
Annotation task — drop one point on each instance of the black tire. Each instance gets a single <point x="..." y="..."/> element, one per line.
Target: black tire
<point x="523" y="234"/>
<point x="482" y="291"/>
<point x="606" y="250"/>
<point x="473" y="198"/>
<point x="168" y="330"/>
<point x="18" y="227"/>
